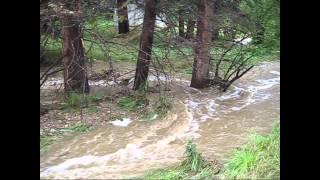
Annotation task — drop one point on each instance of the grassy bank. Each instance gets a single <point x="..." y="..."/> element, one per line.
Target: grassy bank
<point x="47" y="140"/>
<point x="258" y="159"/>
<point x="193" y="167"/>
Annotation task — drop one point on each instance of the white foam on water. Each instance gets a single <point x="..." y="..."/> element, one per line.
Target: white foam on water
<point x="212" y="105"/>
<point x="232" y="94"/>
<point x="131" y="152"/>
<point x="181" y="80"/>
<point x="84" y="160"/>
<point x="155" y="78"/>
<point x="154" y="117"/>
<point x="123" y="123"/>
<point x="275" y="72"/>
<point x="52" y="83"/>
<point x="56" y="83"/>
<point x="194" y="126"/>
<point x="255" y="94"/>
<point x="204" y="118"/>
<point x="191" y="104"/>
<point x="268" y="83"/>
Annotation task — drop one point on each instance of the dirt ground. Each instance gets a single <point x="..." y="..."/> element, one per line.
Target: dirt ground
<point x="55" y="118"/>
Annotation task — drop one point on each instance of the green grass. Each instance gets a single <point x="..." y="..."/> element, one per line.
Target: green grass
<point x="132" y="103"/>
<point x="47" y="140"/>
<point x="79" y="127"/>
<point x="259" y="158"/>
<point x="193" y="167"/>
<point x="75" y="100"/>
<point x="159" y="110"/>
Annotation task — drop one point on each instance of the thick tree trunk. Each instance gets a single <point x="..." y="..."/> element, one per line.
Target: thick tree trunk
<point x="146" y="41"/>
<point x="75" y="74"/>
<point x="123" y="21"/>
<point x="200" y="73"/>
<point x="181" y="23"/>
<point x="190" y="28"/>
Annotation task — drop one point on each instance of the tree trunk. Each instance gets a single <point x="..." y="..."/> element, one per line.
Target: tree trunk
<point x="123" y="21"/>
<point x="181" y="23"/>
<point x="75" y="74"/>
<point x="146" y="41"/>
<point x="190" y="28"/>
<point x="200" y="73"/>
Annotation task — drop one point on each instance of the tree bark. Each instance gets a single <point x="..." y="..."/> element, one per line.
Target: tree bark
<point x="75" y="74"/>
<point x="146" y="40"/>
<point x="123" y="22"/>
<point x="200" y="73"/>
<point x="181" y="23"/>
<point x="190" y="28"/>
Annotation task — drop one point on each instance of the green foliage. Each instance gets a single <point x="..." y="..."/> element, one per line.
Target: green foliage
<point x="75" y="100"/>
<point x="194" y="167"/>
<point x="46" y="141"/>
<point x="52" y="48"/>
<point x="133" y="103"/>
<point x="143" y="89"/>
<point x="166" y="174"/>
<point x="159" y="110"/>
<point x="259" y="158"/>
<point x="79" y="127"/>
<point x="194" y="161"/>
<point x="266" y="16"/>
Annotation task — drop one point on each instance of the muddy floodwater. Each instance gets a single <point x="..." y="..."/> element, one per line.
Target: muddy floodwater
<point x="217" y="122"/>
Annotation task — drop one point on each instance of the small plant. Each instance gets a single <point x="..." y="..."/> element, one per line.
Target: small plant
<point x="194" y="167"/>
<point x="76" y="100"/>
<point x="194" y="161"/>
<point x="166" y="174"/>
<point x="162" y="105"/>
<point x="94" y="98"/>
<point x="79" y="127"/>
<point x="159" y="110"/>
<point x="73" y="100"/>
<point x="133" y="103"/>
<point x="46" y="141"/>
<point x="143" y="89"/>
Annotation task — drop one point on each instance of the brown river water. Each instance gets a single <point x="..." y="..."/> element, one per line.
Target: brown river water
<point x="217" y="122"/>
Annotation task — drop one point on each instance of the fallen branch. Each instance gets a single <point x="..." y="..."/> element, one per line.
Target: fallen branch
<point x="49" y="74"/>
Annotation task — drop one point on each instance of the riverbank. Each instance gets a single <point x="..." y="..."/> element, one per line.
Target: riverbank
<point x="259" y="158"/>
